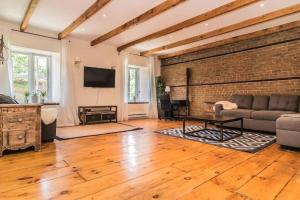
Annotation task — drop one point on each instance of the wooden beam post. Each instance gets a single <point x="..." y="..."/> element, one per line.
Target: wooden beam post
<point x="227" y="29"/>
<point x="29" y="12"/>
<point x="190" y="22"/>
<point x="235" y="39"/>
<point x="140" y="19"/>
<point x="93" y="9"/>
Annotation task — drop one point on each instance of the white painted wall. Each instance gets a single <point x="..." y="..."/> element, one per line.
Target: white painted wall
<point x="104" y="56"/>
<point x="134" y="109"/>
<point x="99" y="56"/>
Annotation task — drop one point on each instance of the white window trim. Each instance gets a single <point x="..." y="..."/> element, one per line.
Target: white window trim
<point x="138" y="91"/>
<point x="136" y="84"/>
<point x="31" y="71"/>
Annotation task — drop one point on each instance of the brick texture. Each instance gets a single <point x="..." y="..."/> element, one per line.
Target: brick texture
<point x="269" y="57"/>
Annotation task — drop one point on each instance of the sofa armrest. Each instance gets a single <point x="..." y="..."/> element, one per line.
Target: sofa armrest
<point x="218" y="109"/>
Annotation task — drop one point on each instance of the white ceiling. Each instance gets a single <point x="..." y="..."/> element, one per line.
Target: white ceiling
<point x="55" y="15"/>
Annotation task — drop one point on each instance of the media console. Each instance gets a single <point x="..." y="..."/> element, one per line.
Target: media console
<point x="97" y="114"/>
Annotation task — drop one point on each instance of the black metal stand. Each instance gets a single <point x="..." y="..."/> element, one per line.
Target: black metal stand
<point x="97" y="114"/>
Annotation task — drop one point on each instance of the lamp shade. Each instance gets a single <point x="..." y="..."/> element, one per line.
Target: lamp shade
<point x="167" y="89"/>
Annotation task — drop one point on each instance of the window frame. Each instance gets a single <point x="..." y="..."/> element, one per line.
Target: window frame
<point x="137" y="75"/>
<point x="31" y="71"/>
<point x="138" y="82"/>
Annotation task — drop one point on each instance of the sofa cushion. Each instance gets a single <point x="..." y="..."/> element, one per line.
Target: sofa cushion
<point x="243" y="101"/>
<point x="271" y="115"/>
<point x="288" y="123"/>
<point x="7" y="100"/>
<point x="284" y="102"/>
<point x="260" y="102"/>
<point x="245" y="113"/>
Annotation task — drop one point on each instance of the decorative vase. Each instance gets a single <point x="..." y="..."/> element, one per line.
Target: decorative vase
<point x="34" y="99"/>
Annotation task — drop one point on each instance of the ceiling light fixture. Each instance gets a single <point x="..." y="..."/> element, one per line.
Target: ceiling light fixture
<point x="104" y="15"/>
<point x="206" y="24"/>
<point x="262" y="5"/>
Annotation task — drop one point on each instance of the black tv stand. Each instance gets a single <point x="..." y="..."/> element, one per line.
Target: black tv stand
<point x="97" y="114"/>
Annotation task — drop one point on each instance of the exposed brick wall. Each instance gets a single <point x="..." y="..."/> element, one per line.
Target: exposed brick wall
<point x="276" y="56"/>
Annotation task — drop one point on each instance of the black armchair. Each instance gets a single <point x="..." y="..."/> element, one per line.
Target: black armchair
<point x="48" y="132"/>
<point x="172" y="109"/>
<point x="165" y="106"/>
<point x="179" y="108"/>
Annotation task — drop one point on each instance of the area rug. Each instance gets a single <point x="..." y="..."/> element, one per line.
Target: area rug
<point x="250" y="141"/>
<point x="92" y="130"/>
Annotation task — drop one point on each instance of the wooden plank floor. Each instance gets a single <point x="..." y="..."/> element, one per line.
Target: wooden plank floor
<point x="144" y="165"/>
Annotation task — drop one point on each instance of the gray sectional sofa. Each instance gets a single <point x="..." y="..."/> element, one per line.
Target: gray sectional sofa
<point x="260" y="112"/>
<point x="288" y="130"/>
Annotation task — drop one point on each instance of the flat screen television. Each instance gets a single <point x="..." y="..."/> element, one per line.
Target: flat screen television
<point x="99" y="77"/>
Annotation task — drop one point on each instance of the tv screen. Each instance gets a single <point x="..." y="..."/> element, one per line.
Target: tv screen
<point x="99" y="77"/>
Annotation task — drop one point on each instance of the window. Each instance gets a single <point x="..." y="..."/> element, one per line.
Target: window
<point x="31" y="73"/>
<point x="138" y="84"/>
<point x="133" y="84"/>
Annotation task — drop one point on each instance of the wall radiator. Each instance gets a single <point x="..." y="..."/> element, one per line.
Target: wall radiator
<point x="138" y="116"/>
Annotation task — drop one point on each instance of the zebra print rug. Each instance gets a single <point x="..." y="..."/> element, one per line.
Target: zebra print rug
<point x="249" y="142"/>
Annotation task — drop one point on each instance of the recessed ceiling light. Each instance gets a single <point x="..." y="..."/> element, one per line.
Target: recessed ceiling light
<point x="206" y="24"/>
<point x="262" y="5"/>
<point x="103" y="15"/>
<point x="82" y="29"/>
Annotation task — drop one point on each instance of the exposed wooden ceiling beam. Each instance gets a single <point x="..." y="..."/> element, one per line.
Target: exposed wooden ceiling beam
<point x="227" y="29"/>
<point x="93" y="9"/>
<point x="29" y="12"/>
<point x="140" y="19"/>
<point x="190" y="22"/>
<point x="234" y="39"/>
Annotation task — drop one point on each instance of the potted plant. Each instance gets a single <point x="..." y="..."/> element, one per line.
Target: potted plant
<point x="26" y="97"/>
<point x="43" y="96"/>
<point x="160" y="86"/>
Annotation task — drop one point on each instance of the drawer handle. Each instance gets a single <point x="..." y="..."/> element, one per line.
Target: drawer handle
<point x="20" y="137"/>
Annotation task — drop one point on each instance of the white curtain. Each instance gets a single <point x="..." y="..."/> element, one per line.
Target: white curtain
<point x="153" y="64"/>
<point x="124" y="88"/>
<point x="68" y="107"/>
<point x="6" y="67"/>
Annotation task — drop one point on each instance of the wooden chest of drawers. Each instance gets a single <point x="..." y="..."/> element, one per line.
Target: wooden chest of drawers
<point x="20" y="127"/>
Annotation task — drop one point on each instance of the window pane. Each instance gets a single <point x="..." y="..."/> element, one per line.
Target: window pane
<point x="20" y="75"/>
<point x="132" y="84"/>
<point x="41" y="73"/>
<point x="144" y="84"/>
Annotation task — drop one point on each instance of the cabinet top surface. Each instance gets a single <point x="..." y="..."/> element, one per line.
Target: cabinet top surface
<point x="19" y="105"/>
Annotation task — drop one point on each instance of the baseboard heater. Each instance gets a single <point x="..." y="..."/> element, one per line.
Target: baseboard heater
<point x="138" y="116"/>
